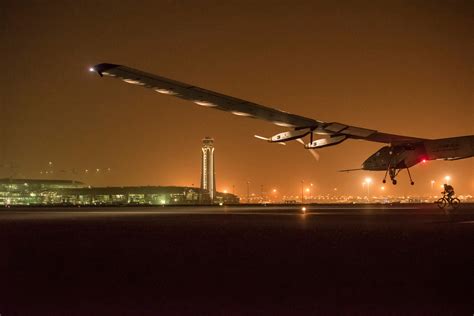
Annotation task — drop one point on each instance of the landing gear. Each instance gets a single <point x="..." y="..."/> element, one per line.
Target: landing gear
<point x="396" y="163"/>
<point x="409" y="174"/>
<point x="393" y="172"/>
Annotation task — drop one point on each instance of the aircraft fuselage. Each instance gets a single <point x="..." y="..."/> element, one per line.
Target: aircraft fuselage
<point x="408" y="155"/>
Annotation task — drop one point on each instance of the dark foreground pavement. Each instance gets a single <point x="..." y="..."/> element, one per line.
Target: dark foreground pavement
<point x="233" y="261"/>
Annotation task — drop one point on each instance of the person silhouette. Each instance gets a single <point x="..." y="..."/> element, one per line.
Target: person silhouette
<point x="449" y="191"/>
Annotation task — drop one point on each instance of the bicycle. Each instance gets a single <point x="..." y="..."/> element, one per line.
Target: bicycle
<point x="445" y="202"/>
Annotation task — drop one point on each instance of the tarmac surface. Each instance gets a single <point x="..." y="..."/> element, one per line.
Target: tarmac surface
<point x="333" y="259"/>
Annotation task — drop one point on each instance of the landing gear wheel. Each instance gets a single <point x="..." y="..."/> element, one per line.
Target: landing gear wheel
<point x="412" y="183"/>
<point x="394" y="182"/>
<point x="384" y="181"/>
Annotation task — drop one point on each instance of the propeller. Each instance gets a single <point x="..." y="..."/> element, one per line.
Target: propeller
<point x="268" y="139"/>
<point x="261" y="137"/>
<point x="313" y="152"/>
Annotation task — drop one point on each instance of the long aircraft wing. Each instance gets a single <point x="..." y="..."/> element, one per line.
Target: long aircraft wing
<point x="211" y="99"/>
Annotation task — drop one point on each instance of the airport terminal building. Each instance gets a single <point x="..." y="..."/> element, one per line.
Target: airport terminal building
<point x="70" y="192"/>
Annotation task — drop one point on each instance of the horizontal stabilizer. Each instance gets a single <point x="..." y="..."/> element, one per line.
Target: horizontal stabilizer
<point x="348" y="170"/>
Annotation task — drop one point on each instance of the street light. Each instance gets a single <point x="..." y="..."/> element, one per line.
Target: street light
<point x="368" y="181"/>
<point x="432" y="184"/>
<point x="447" y="178"/>
<point x="274" y="191"/>
<point x="248" y="192"/>
<point x="302" y="191"/>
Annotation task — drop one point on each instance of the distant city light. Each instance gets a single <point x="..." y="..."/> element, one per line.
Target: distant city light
<point x="368" y="180"/>
<point x="382" y="188"/>
<point x="447" y="178"/>
<point x="303" y="209"/>
<point x="225" y="191"/>
<point x="91" y="69"/>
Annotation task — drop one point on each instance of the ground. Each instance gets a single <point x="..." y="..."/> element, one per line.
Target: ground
<point x="236" y="260"/>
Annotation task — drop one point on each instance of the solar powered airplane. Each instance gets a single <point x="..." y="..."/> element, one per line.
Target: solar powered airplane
<point x="400" y="152"/>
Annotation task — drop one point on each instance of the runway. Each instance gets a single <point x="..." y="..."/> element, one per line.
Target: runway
<point x="225" y="260"/>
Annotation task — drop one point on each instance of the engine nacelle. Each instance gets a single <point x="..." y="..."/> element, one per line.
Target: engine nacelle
<point x="289" y="135"/>
<point x="325" y="142"/>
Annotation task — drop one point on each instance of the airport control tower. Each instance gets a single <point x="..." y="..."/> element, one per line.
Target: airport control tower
<point x="208" y="173"/>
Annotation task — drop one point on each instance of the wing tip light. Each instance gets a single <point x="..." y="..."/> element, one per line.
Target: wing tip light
<point x="101" y="68"/>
